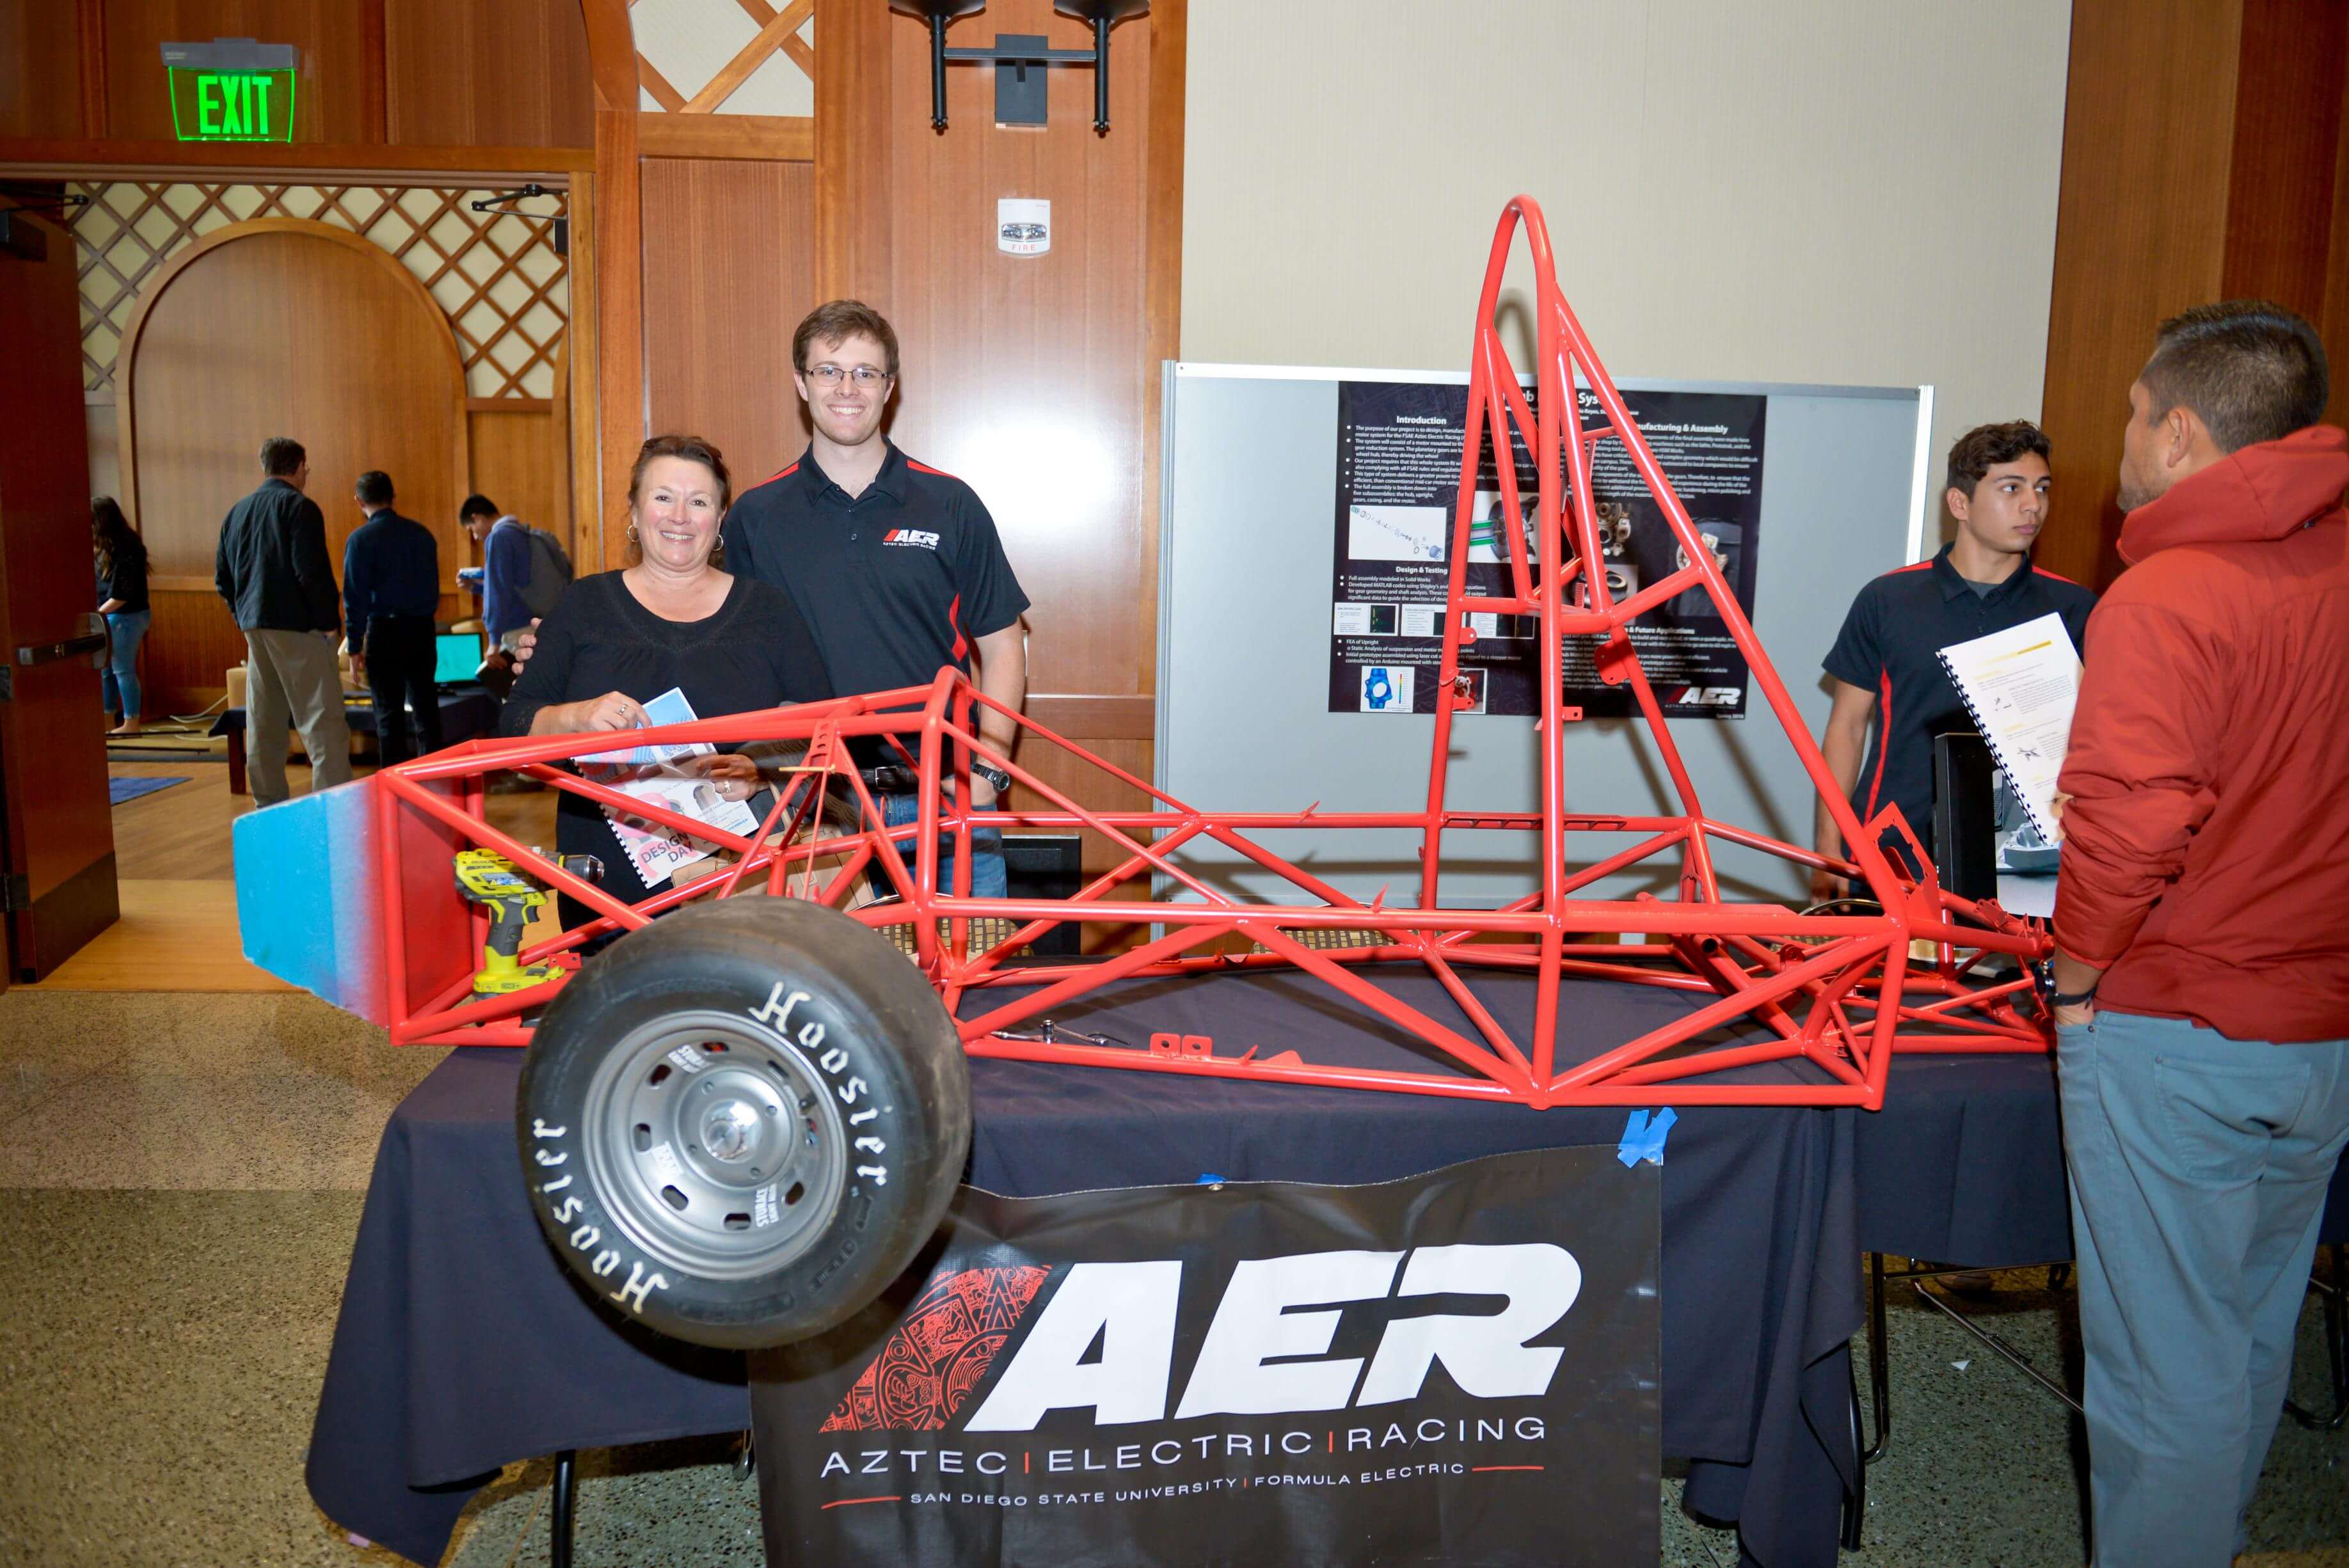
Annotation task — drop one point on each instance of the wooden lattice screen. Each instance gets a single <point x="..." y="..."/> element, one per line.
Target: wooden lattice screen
<point x="496" y="275"/>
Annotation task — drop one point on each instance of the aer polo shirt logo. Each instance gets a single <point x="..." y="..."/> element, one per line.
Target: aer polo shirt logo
<point x="915" y="537"/>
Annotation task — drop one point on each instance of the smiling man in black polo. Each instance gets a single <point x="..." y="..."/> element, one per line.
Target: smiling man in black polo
<point x="895" y="566"/>
<point x="1892" y="694"/>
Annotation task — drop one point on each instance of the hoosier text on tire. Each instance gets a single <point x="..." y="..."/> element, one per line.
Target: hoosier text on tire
<point x="742" y="1121"/>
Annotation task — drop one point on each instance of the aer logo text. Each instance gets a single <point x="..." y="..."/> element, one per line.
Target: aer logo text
<point x="913" y="536"/>
<point x="1105" y="1340"/>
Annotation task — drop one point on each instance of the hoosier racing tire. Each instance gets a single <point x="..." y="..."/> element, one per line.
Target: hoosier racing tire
<point x="739" y="1123"/>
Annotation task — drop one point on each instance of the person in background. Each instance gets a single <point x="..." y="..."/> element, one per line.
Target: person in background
<point x="122" y="600"/>
<point x="896" y="566"/>
<point x="272" y="570"/>
<point x="1891" y="694"/>
<point x="505" y="569"/>
<point x="2202" y="951"/>
<point x="616" y="640"/>
<point x="391" y="586"/>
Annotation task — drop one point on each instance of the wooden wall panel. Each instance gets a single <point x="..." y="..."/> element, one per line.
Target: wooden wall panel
<point x="2287" y="132"/>
<point x="339" y="83"/>
<point x="40" y="70"/>
<point x="1027" y="375"/>
<point x="460" y="73"/>
<point x="728" y="270"/>
<point x="2205" y="157"/>
<point x="521" y="461"/>
<point x="2140" y="233"/>
<point x="280" y="328"/>
<point x="189" y="649"/>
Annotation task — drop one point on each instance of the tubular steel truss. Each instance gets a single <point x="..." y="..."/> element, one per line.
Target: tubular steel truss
<point x="1839" y="992"/>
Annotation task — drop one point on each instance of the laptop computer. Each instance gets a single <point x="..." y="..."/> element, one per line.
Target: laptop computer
<point x="456" y="657"/>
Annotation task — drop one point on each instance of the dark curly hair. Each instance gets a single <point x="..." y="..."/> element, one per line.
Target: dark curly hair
<point x="1985" y="447"/>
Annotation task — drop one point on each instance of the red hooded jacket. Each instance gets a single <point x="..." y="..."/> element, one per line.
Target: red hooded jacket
<point x="2206" y="853"/>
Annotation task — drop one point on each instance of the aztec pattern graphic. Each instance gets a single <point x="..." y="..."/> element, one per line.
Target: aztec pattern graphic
<point x="939" y="1353"/>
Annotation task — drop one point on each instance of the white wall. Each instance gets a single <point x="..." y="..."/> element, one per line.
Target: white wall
<point x="1823" y="190"/>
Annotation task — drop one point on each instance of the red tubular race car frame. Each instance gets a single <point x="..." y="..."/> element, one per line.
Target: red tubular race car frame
<point x="1837" y="991"/>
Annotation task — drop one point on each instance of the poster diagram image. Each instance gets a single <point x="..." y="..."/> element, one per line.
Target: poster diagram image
<point x="1726" y="540"/>
<point x="1470" y="686"/>
<point x="1614" y="528"/>
<point x="1487" y="535"/>
<point x="1366" y="621"/>
<point x="1396" y="532"/>
<point x="1387" y="688"/>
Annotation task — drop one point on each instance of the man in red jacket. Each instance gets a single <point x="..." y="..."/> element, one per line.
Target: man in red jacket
<point x="2202" y="926"/>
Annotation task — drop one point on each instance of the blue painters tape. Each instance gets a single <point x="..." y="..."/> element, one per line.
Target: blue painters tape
<point x="1643" y="1135"/>
<point x="1208" y="1179"/>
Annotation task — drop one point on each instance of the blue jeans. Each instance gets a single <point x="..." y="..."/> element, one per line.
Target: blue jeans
<point x="2199" y="1168"/>
<point x="118" y="686"/>
<point x="987" y="878"/>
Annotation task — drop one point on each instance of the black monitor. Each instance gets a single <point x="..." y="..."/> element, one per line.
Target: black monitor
<point x="1965" y="815"/>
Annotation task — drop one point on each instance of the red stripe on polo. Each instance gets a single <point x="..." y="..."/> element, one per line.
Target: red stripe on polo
<point x="1884" y="732"/>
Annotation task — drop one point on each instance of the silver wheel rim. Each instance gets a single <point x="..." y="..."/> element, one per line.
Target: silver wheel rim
<point x="714" y="1145"/>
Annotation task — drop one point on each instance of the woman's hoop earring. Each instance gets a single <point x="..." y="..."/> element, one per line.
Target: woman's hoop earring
<point x="632" y="536"/>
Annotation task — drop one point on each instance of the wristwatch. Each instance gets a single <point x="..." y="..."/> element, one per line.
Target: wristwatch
<point x="995" y="775"/>
<point x="2072" y="999"/>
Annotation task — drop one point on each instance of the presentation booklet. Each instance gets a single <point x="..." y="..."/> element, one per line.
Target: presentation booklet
<point x="660" y="776"/>
<point x="2021" y="686"/>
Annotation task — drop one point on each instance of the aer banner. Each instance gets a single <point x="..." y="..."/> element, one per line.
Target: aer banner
<point x="1460" y="1368"/>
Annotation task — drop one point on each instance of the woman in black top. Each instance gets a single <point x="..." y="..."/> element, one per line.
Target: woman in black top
<point x="617" y="640"/>
<point x="122" y="600"/>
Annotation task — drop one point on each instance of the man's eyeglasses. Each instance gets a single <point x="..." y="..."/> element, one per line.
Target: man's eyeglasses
<point x="827" y="377"/>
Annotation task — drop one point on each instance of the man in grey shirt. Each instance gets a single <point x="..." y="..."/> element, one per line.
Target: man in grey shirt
<point x="272" y="567"/>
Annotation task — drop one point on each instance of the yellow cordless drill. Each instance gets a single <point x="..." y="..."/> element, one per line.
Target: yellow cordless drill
<point x="487" y="878"/>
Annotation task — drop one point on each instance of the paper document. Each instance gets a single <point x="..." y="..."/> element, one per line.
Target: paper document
<point x="662" y="776"/>
<point x="2021" y="686"/>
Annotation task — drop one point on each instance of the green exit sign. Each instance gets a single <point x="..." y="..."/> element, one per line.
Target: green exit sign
<point x="232" y="90"/>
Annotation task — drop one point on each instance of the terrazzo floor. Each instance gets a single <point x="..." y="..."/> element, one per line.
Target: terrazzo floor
<point x="181" y="1180"/>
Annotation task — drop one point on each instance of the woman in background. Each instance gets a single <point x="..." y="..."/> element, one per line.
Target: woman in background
<point x="672" y="618"/>
<point x="122" y="600"/>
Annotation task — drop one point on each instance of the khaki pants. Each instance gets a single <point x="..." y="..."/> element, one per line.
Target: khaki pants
<point x="292" y="674"/>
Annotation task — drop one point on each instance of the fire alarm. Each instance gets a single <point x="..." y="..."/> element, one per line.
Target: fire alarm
<point x="1023" y="226"/>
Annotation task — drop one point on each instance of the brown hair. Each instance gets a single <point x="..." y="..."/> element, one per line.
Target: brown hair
<point x="2251" y="371"/>
<point x="282" y="456"/>
<point x="837" y="320"/>
<point x="693" y="448"/>
<point x="1985" y="447"/>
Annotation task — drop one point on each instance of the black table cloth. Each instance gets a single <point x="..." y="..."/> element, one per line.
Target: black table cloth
<point x="1965" y="1165"/>
<point x="463" y="1343"/>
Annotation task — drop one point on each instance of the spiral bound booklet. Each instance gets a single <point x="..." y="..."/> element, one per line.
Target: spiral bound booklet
<point x="2020" y="685"/>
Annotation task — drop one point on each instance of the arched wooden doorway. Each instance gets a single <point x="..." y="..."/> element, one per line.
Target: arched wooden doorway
<point x="277" y="327"/>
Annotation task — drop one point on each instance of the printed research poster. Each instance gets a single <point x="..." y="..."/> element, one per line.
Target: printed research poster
<point x="1399" y="446"/>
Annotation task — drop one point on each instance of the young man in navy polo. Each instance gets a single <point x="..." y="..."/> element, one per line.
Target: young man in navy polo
<point x="895" y="566"/>
<point x="1891" y="695"/>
